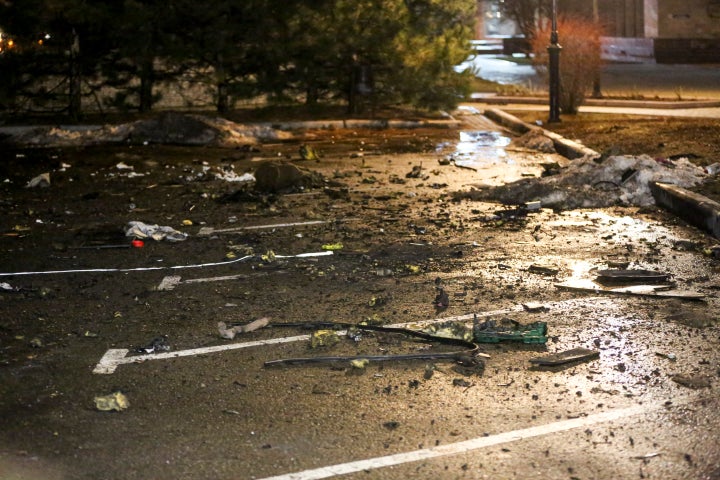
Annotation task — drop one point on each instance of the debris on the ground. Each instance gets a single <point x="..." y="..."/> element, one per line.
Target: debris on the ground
<point x="169" y="282"/>
<point x="534" y="139"/>
<point x="450" y="329"/>
<point x="713" y="169"/>
<point x="278" y="177"/>
<point x="514" y="215"/>
<point x="469" y="366"/>
<point x="567" y="356"/>
<point x="417" y="172"/>
<point x="670" y="356"/>
<point x="442" y="299"/>
<point x="534" y="307"/>
<point x="692" y="381"/>
<point x="157" y="344"/>
<point x="323" y="334"/>
<point x="461" y="382"/>
<point x="116" y="401"/>
<point x="391" y="425"/>
<point x="42" y="180"/>
<point x="647" y="456"/>
<point x="340" y="193"/>
<point x="308" y="153"/>
<point x="268" y="256"/>
<point x="377" y="301"/>
<point x="333" y="246"/>
<point x="169" y="128"/>
<point x="666" y="290"/>
<point x="588" y="184"/>
<point x="228" y="174"/>
<point x="413" y="269"/>
<point x="230" y="331"/>
<point x="543" y="269"/>
<point x="359" y="363"/>
<point x="156" y="232"/>
<point x="323" y="338"/>
<point x="124" y="166"/>
<point x="693" y="318"/>
<point x="507" y="329"/>
<point x="631" y="276"/>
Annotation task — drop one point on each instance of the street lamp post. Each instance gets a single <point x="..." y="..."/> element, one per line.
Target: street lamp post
<point x="554" y="68"/>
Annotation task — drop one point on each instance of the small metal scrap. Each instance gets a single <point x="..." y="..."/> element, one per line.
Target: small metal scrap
<point x="158" y="344"/>
<point x="470" y="348"/>
<point x="568" y="356"/>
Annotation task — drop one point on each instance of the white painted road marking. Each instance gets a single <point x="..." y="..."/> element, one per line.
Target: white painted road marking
<point x="118" y="356"/>
<point x="169" y="282"/>
<point x="205" y="231"/>
<point x="464" y="446"/>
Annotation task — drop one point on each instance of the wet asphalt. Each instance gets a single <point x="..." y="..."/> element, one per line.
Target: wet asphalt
<point x="643" y="406"/>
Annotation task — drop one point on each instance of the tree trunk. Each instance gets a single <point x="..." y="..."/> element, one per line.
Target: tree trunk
<point x="223" y="101"/>
<point x="147" y="81"/>
<point x="75" y="80"/>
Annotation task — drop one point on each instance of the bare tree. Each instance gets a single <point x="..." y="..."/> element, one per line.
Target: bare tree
<point x="527" y="14"/>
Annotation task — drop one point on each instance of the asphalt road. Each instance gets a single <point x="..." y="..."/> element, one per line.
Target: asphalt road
<point x="644" y="407"/>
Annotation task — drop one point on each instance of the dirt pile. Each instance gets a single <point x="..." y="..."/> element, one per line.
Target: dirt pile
<point x="619" y="180"/>
<point x="167" y="129"/>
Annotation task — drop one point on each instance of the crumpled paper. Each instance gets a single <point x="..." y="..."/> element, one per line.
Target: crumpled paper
<point x="156" y="232"/>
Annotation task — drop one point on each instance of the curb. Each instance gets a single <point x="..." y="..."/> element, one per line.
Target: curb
<point x="695" y="209"/>
<point x="600" y="102"/>
<point x="360" y="123"/>
<point x="566" y="148"/>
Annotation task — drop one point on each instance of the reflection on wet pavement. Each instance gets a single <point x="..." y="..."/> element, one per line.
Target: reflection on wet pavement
<point x="481" y="148"/>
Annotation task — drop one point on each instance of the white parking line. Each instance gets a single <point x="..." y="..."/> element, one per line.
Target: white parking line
<point x="118" y="356"/>
<point x="464" y="446"/>
<point x="169" y="282"/>
<point x="115" y="357"/>
<point x="205" y="231"/>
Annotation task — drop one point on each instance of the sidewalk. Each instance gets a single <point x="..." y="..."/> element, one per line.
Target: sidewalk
<point x="685" y="90"/>
<point x="662" y="81"/>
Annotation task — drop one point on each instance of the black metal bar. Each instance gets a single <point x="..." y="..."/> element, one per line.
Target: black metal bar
<point x="554" y="68"/>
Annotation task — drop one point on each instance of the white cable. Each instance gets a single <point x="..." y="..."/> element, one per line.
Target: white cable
<point x="145" y="269"/>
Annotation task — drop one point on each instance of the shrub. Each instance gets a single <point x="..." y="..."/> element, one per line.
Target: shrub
<point x="580" y="60"/>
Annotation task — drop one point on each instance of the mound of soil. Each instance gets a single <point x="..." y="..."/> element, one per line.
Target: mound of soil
<point x="658" y="137"/>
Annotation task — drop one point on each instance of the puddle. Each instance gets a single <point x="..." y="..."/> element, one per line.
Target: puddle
<point x="479" y="148"/>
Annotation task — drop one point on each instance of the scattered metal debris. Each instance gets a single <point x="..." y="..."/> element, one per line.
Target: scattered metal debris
<point x="568" y="356"/>
<point x="325" y="330"/>
<point x="666" y="291"/>
<point x="507" y="329"/>
<point x="156" y="345"/>
<point x="631" y="276"/>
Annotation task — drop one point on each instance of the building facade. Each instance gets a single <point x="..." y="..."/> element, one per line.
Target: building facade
<point x="666" y="31"/>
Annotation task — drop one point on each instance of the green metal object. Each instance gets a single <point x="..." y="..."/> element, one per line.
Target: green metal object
<point x="506" y="329"/>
